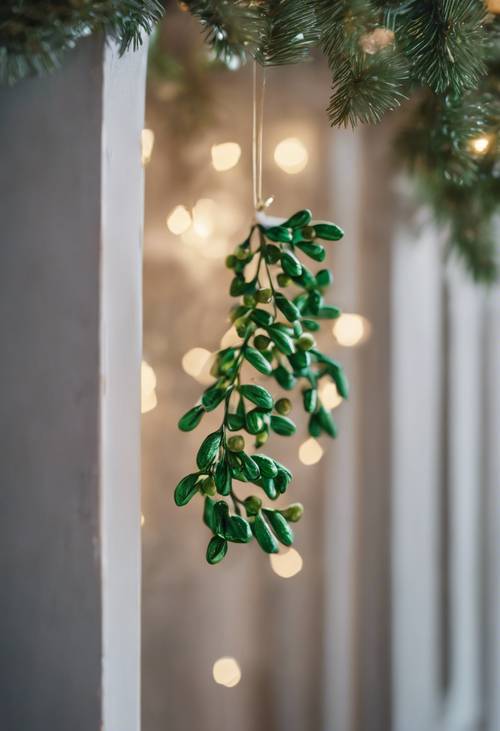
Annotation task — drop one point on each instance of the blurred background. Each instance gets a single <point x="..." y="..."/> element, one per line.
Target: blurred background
<point x="385" y="614"/>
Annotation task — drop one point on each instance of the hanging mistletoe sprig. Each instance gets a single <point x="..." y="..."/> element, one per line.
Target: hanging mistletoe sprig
<point x="277" y="341"/>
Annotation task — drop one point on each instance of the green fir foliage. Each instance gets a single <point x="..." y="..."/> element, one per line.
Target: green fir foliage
<point x="34" y="35"/>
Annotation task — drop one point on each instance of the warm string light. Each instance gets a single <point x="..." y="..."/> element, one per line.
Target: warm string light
<point x="493" y="6"/>
<point x="225" y="156"/>
<point x="375" y="41"/>
<point x="287" y="563"/>
<point x="351" y="329"/>
<point x="147" y="143"/>
<point x="291" y="155"/>
<point x="226" y="671"/>
<point x="149" y="399"/>
<point x="179" y="220"/>
<point x="194" y="361"/>
<point x="310" y="452"/>
<point x="481" y="145"/>
<point x="204" y="215"/>
<point x="329" y="396"/>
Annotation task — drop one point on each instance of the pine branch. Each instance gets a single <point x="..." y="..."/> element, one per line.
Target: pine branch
<point x="364" y="89"/>
<point x="289" y="33"/>
<point x="445" y="42"/>
<point x="233" y="28"/>
<point x="34" y="36"/>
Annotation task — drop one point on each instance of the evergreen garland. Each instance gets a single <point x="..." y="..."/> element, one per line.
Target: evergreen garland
<point x="380" y="52"/>
<point x="35" y="35"/>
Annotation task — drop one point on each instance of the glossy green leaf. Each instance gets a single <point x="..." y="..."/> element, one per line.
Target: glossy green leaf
<point x="262" y="317"/>
<point x="250" y="467"/>
<point x="235" y="422"/>
<point x="208" y="513"/>
<point x="310" y="325"/>
<point x="186" y="489"/>
<point x="310" y="398"/>
<point x="280" y="234"/>
<point x="257" y="395"/>
<point x="213" y="397"/>
<point x="191" y="418"/>
<point x="291" y="265"/>
<point x="267" y="465"/>
<point x="273" y="253"/>
<point x="264" y="535"/>
<point x="280" y="526"/>
<point x="300" y="360"/>
<point x="282" y="425"/>
<point x="324" y="278"/>
<point x="283" y="342"/>
<point x="340" y="378"/>
<point x="314" y="427"/>
<point x="237" y="286"/>
<point x="299" y="219"/>
<point x="254" y="421"/>
<point x="286" y="307"/>
<point x="328" y="312"/>
<point x="208" y="450"/>
<point x="306" y="279"/>
<point x="326" y="422"/>
<point x="269" y="487"/>
<point x="314" y="251"/>
<point x="285" y="379"/>
<point x="238" y="530"/>
<point x="259" y="362"/>
<point x="328" y="231"/>
<point x="223" y="478"/>
<point x="315" y="302"/>
<point x="221" y="516"/>
<point x="216" y="550"/>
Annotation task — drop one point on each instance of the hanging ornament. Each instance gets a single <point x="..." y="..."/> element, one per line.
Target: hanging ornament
<point x="280" y="306"/>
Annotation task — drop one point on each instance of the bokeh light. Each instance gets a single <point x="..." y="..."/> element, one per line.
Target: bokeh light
<point x="310" y="451"/>
<point x="225" y="156"/>
<point x="147" y="143"/>
<point x="179" y="220"/>
<point x="329" y="396"/>
<point x="148" y="388"/>
<point x="351" y="329"/>
<point x="226" y="671"/>
<point x="194" y="361"/>
<point x="291" y="155"/>
<point x="287" y="563"/>
<point x="481" y="145"/>
<point x="204" y="217"/>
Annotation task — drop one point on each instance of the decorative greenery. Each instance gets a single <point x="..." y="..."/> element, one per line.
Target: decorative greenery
<point x="277" y="341"/>
<point x="34" y="35"/>
<point x="381" y="53"/>
<point x="378" y="51"/>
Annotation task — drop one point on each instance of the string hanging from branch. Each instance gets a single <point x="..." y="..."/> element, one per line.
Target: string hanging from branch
<point x="275" y="330"/>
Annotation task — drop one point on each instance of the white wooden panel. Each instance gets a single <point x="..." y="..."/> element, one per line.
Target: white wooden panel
<point x="415" y="447"/>
<point x="465" y="316"/>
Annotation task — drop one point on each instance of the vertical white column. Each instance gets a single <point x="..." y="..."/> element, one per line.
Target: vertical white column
<point x="491" y="511"/>
<point x="463" y="708"/>
<point x="342" y="493"/>
<point x="71" y="220"/>
<point x="417" y="349"/>
<point x="121" y="347"/>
